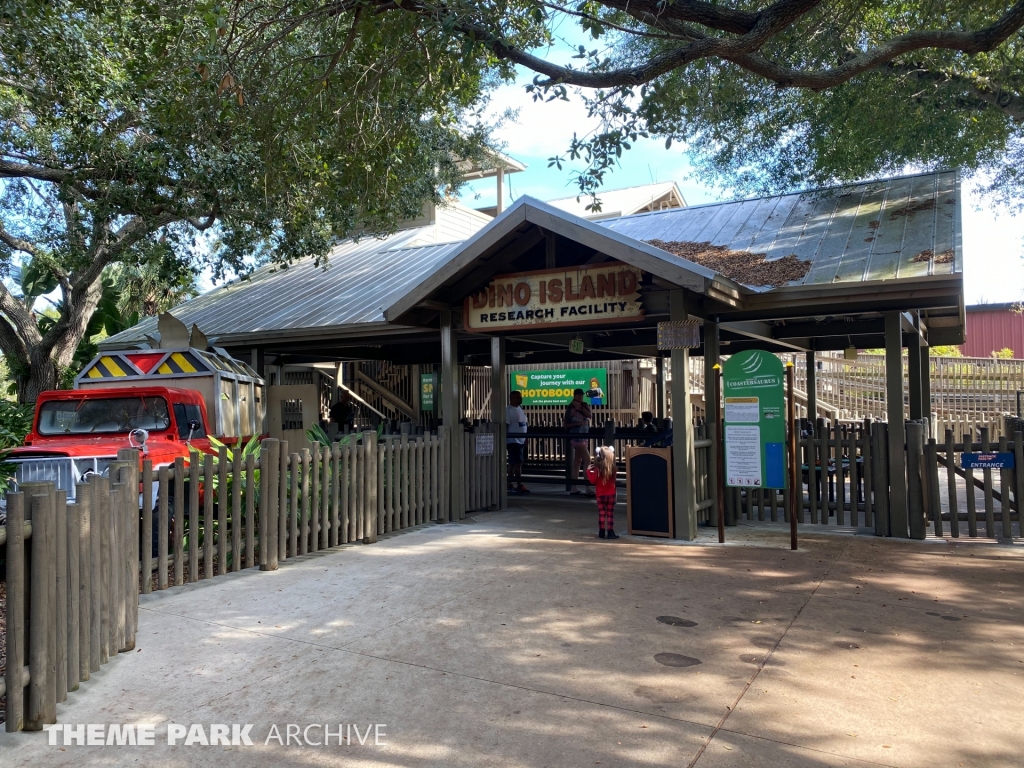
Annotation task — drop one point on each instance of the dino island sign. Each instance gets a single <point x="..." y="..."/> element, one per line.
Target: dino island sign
<point x="552" y="298"/>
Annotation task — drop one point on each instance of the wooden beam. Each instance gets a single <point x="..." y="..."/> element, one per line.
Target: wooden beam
<point x="762" y="331"/>
<point x="496" y="264"/>
<point x="897" y="431"/>
<point x="684" y="488"/>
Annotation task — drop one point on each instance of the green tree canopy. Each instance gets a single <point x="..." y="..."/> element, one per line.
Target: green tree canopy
<point x="127" y="131"/>
<point x="764" y="95"/>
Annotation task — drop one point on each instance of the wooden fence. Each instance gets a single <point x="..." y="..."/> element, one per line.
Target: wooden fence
<point x="72" y="588"/>
<point x="967" y="393"/>
<point x="75" y="570"/>
<point x="845" y="481"/>
<point x="480" y="468"/>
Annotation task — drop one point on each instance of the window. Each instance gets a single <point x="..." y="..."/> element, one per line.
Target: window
<point x="103" y="415"/>
<point x="291" y="414"/>
<point x="183" y="414"/>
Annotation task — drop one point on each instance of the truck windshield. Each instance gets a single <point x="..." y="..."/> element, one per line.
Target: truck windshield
<point x="103" y="415"/>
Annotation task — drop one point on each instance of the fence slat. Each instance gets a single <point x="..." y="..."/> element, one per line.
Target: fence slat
<point x="972" y="512"/>
<point x="178" y="521"/>
<point x="304" y="503"/>
<point x="83" y="503"/>
<point x="39" y="614"/>
<point x="195" y="481"/>
<point x="147" y="527"/>
<point x="325" y="498"/>
<point x="281" y="509"/>
<point x="1005" y="483"/>
<point x="250" y="512"/>
<point x="954" y="507"/>
<point x="60" y="564"/>
<point x="990" y="516"/>
<point x="333" y="539"/>
<point x="16" y="582"/>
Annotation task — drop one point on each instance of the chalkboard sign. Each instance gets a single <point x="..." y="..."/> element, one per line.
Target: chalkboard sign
<point x="649" y="492"/>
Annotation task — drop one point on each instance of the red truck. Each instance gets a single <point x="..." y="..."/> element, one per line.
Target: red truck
<point x="162" y="401"/>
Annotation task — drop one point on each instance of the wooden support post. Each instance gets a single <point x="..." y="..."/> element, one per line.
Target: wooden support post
<point x="684" y="488"/>
<point x="896" y="430"/>
<point x="499" y="400"/>
<point x="926" y="391"/>
<point x="713" y="375"/>
<point x="451" y="410"/>
<point x="914" y="384"/>
<point x="812" y="393"/>
<point x="795" y="492"/>
<point x="659" y="386"/>
<point x="250" y="511"/>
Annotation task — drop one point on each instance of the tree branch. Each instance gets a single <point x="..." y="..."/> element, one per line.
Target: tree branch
<point x="742" y="50"/>
<point x="16" y="243"/>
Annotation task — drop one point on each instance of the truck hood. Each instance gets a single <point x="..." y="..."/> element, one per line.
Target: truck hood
<point x="79" y="446"/>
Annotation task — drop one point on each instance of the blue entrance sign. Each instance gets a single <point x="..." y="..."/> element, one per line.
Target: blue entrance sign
<point x="986" y="460"/>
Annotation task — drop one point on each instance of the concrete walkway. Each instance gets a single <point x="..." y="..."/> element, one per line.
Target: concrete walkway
<point x="519" y="639"/>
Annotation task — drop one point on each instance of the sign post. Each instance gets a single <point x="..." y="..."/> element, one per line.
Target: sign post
<point x="795" y="488"/>
<point x="755" y="421"/>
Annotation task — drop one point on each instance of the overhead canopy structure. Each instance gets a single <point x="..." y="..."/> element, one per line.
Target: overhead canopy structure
<point x="866" y="249"/>
<point x="865" y="265"/>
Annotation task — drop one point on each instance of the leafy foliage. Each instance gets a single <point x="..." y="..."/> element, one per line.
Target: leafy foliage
<point x="130" y="136"/>
<point x="764" y="94"/>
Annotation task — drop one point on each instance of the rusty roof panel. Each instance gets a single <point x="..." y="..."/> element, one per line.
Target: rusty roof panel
<point x="867" y="231"/>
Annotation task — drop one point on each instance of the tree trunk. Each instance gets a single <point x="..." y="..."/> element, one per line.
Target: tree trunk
<point x="41" y="376"/>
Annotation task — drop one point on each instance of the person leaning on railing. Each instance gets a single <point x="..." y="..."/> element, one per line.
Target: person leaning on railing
<point x="577" y="420"/>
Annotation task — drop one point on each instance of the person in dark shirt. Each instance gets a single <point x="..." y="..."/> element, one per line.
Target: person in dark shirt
<point x="343" y="411"/>
<point x="577" y="419"/>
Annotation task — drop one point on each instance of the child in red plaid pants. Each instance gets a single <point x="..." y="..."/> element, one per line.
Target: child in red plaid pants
<point x="601" y="473"/>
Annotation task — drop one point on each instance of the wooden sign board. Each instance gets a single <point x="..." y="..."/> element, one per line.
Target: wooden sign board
<point x="649" y="492"/>
<point x="584" y="296"/>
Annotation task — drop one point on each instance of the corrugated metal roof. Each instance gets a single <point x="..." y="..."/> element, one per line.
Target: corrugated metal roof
<point x="620" y="202"/>
<point x="354" y="288"/>
<point x="862" y="232"/>
<point x="878" y="230"/>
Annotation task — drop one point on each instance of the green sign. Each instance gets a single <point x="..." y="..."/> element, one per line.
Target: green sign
<point x="427" y="383"/>
<point x="555" y="387"/>
<point x="755" y="420"/>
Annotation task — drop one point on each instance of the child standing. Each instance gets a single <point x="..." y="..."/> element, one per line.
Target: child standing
<point x="601" y="473"/>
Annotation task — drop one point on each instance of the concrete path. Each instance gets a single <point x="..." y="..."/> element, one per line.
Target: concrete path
<point x="518" y="639"/>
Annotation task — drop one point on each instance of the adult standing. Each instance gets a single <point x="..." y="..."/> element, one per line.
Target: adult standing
<point x="515" y="429"/>
<point x="577" y="420"/>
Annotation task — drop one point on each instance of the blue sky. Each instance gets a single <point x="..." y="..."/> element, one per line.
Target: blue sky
<point x="993" y="237"/>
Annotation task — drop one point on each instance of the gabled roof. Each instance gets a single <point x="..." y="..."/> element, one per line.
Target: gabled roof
<point x="900" y="235"/>
<point x="527" y="210"/>
<point x="351" y="290"/>
<point x="904" y="227"/>
<point x="623" y="202"/>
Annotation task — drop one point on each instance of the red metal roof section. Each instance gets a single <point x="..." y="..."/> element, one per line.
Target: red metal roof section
<point x="145" y="361"/>
<point x="990" y="329"/>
